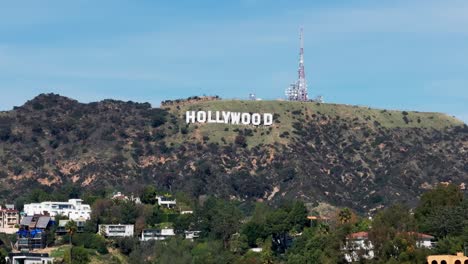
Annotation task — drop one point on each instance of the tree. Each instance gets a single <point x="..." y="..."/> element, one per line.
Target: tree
<point x="389" y="228"/>
<point x="80" y="256"/>
<point x="344" y="216"/>
<point x="149" y="195"/>
<point x="442" y="196"/>
<point x="298" y="216"/>
<point x="71" y="228"/>
<point x="219" y="219"/>
<point x="442" y="211"/>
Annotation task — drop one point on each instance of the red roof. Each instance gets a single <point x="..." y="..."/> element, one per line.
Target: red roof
<point x="9" y="210"/>
<point x="420" y="235"/>
<point x="358" y="235"/>
<point x="317" y="218"/>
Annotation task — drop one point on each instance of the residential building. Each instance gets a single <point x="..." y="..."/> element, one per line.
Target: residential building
<point x="32" y="233"/>
<point x="74" y="209"/>
<point x="459" y="258"/>
<point x="62" y="230"/>
<point x="156" y="234"/>
<point x="166" y="201"/>
<point x="422" y="240"/>
<point x="192" y="234"/>
<point x="358" y="246"/>
<point x="116" y="230"/>
<point x="122" y="197"/>
<point x="28" y="258"/>
<point x="9" y="219"/>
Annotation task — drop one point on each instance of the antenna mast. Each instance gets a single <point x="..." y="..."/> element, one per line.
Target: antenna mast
<point x="298" y="90"/>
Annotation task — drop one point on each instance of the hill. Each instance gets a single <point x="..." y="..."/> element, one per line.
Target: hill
<point x="320" y="153"/>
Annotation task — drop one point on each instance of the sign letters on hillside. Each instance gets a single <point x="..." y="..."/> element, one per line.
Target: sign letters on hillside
<point x="226" y="117"/>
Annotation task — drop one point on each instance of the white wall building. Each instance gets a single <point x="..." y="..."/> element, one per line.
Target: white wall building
<point x="74" y="209"/>
<point x="156" y="234"/>
<point x="166" y="201"/>
<point x="116" y="230"/>
<point x="191" y="235"/>
<point x="29" y="258"/>
<point x="358" y="246"/>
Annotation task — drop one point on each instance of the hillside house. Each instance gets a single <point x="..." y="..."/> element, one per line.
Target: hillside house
<point x="116" y="230"/>
<point x="459" y="258"/>
<point x="33" y="230"/>
<point x="62" y="230"/>
<point x="9" y="220"/>
<point x="28" y="258"/>
<point x="191" y="235"/>
<point x="156" y="234"/>
<point x="166" y="201"/>
<point x="74" y="209"/>
<point x="358" y="246"/>
<point x="120" y="196"/>
<point x="422" y="240"/>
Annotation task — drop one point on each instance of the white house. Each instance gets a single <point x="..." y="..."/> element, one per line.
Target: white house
<point x="28" y="258"/>
<point x="192" y="234"/>
<point x="74" y="209"/>
<point x="156" y="234"/>
<point x="166" y="201"/>
<point x="123" y="197"/>
<point x="116" y="230"/>
<point x="358" y="246"/>
<point x="422" y="240"/>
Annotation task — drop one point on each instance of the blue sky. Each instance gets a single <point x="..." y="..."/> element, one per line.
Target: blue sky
<point x="395" y="54"/>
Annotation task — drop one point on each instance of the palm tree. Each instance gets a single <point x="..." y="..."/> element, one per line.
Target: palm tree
<point x="345" y="215"/>
<point x="71" y="229"/>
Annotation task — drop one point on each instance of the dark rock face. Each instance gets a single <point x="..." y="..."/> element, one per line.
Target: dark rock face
<point x="54" y="141"/>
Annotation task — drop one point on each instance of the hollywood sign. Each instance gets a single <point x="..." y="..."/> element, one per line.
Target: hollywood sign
<point x="225" y="117"/>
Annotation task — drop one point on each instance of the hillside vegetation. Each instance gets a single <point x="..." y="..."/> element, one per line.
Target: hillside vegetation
<point x="287" y="113"/>
<point x="320" y="153"/>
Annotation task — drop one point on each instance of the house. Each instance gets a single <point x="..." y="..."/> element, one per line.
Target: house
<point x="192" y="234"/>
<point x="116" y="230"/>
<point x="156" y="234"/>
<point x="119" y="196"/>
<point x="358" y="246"/>
<point x="62" y="230"/>
<point x="165" y="201"/>
<point x="33" y="230"/>
<point x="73" y="209"/>
<point x="459" y="258"/>
<point x="422" y="240"/>
<point x="9" y="219"/>
<point x="122" y="197"/>
<point x="28" y="258"/>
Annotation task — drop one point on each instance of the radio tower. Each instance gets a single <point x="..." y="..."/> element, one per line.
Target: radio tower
<point x="298" y="91"/>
